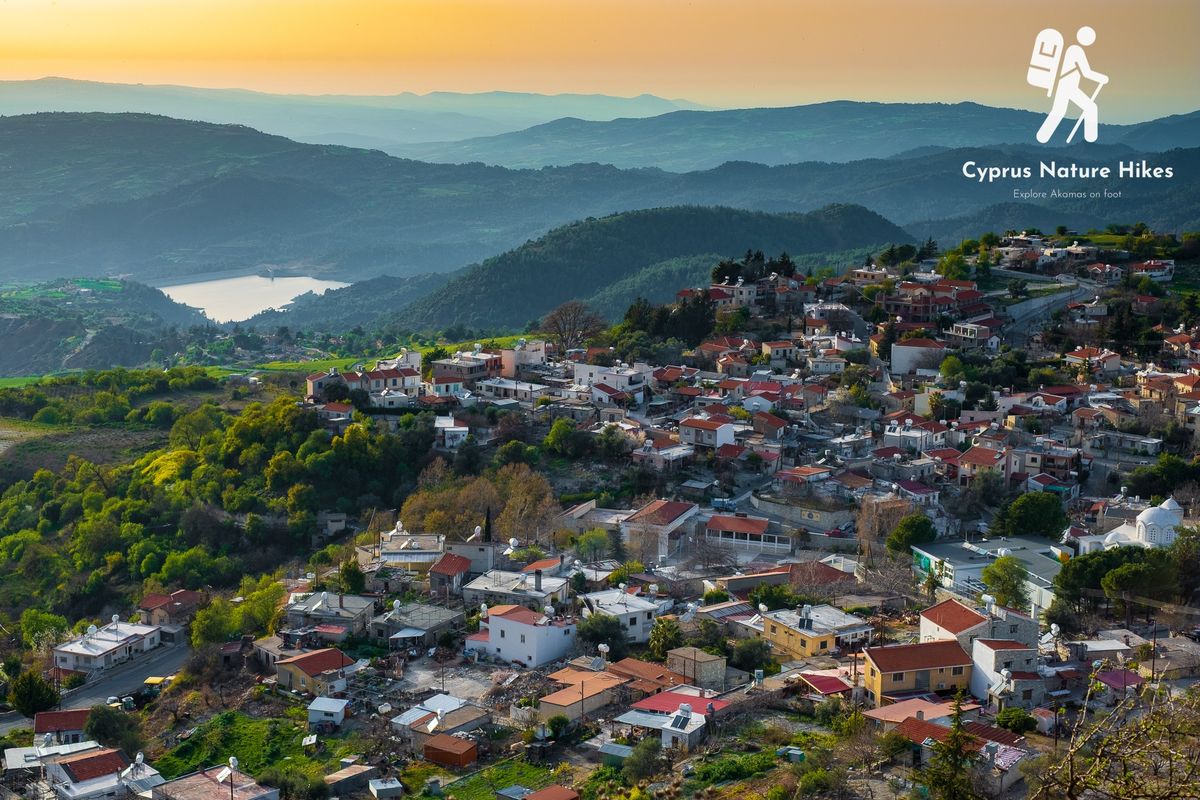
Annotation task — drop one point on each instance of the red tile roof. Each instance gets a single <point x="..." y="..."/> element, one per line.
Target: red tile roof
<point x="450" y="564"/>
<point x="1004" y="644"/>
<point x="554" y="792"/>
<point x="993" y="734"/>
<point x="826" y="684"/>
<point x="981" y="456"/>
<point x="318" y="661"/>
<point x="925" y="655"/>
<point x="953" y="616"/>
<point x="703" y="424"/>
<point x="918" y="731"/>
<point x="542" y="564"/>
<point x="817" y="573"/>
<point x="94" y="764"/>
<point x="736" y="524"/>
<point x="54" y="721"/>
<point x="516" y="614"/>
<point x="669" y="702"/>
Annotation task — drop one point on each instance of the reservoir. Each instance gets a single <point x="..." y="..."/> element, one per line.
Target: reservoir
<point x="236" y="299"/>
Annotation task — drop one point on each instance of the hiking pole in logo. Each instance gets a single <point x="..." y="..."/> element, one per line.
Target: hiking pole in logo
<point x="1060" y="74"/>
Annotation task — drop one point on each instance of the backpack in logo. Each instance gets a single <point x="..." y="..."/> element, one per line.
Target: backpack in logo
<point x="1043" y="64"/>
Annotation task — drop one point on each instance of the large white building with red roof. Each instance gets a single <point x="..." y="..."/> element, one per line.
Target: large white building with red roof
<point x="516" y="634"/>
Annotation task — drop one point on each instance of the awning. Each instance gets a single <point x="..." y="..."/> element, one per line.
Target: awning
<point x="407" y="633"/>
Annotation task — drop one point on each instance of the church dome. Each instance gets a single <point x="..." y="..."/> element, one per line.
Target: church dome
<point x="1167" y="514"/>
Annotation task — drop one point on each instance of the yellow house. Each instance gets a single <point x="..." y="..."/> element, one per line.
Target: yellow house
<point x="892" y="673"/>
<point x="312" y="672"/>
<point x="794" y="637"/>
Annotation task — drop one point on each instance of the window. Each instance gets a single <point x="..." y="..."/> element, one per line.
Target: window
<point x="501" y="633"/>
<point x="774" y="630"/>
<point x="897" y="677"/>
<point x="824" y="645"/>
<point x="1027" y="694"/>
<point x="956" y="671"/>
<point x="566" y="631"/>
<point x="632" y="621"/>
<point x="872" y="672"/>
<point x="522" y="638"/>
<point x="1012" y="628"/>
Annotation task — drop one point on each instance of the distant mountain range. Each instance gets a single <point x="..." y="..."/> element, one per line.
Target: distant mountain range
<point x="381" y="122"/>
<point x="838" y="131"/>
<point x="154" y="198"/>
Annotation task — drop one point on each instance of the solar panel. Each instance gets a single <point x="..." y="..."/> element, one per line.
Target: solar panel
<point x="679" y="723"/>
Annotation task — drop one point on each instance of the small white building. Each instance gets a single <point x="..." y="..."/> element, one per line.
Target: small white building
<point x="514" y="634"/>
<point x="705" y="432"/>
<point x="327" y="710"/>
<point x="102" y="648"/>
<point x="509" y="389"/>
<point x="635" y="613"/>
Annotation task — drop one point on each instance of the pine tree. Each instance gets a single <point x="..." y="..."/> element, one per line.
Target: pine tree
<point x="948" y="775"/>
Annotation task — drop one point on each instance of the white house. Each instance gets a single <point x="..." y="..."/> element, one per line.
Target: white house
<point x="327" y="710"/>
<point x="509" y="389"/>
<point x="1004" y="674"/>
<point x="449" y="433"/>
<point x="534" y="591"/>
<point x="514" y="634"/>
<point x="102" y="648"/>
<point x="910" y="354"/>
<point x="99" y="774"/>
<point x="706" y="432"/>
<point x="1154" y="527"/>
<point x="621" y="378"/>
<point x="635" y="613"/>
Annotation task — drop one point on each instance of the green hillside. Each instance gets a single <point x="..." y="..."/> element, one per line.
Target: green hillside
<point x="591" y="257"/>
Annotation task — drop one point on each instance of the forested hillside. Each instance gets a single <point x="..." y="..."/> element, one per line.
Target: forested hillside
<point x="586" y="258"/>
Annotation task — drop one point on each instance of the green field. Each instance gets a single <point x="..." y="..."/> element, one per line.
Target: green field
<point x="483" y="784"/>
<point x="348" y="362"/>
<point x="16" y="382"/>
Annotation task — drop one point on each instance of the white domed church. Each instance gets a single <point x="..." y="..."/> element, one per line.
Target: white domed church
<point x="1154" y="527"/>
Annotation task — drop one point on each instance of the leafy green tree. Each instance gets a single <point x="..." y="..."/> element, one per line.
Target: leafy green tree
<point x="558" y="439"/>
<point x="214" y="623"/>
<point x="579" y="582"/>
<point x="948" y="774"/>
<point x="714" y="596"/>
<point x="1005" y="578"/>
<point x="1016" y="719"/>
<point x="751" y="654"/>
<point x="1036" y="513"/>
<point x="114" y="728"/>
<point x="557" y="725"/>
<point x="773" y="596"/>
<point x="664" y="636"/>
<point x="913" y="529"/>
<point x="31" y="693"/>
<point x="645" y="761"/>
<point x="39" y="626"/>
<point x="602" y="629"/>
<point x="352" y="577"/>
<point x="592" y="545"/>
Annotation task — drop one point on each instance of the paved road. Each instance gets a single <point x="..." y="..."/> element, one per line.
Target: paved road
<point x="119" y="682"/>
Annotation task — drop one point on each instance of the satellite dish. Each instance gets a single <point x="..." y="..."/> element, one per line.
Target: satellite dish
<point x="396" y="605"/>
<point x="623" y="586"/>
<point x="91" y="630"/>
<point x="141" y="758"/>
<point x="233" y="762"/>
<point x="550" y="611"/>
<point x="48" y="740"/>
<point x="478" y="529"/>
<point x="483" y="609"/>
<point x="513" y="543"/>
<point x="1054" y="629"/>
<point x="116" y="618"/>
<point x="578" y="564"/>
<point x="762" y="608"/>
<point x="603" y="648"/>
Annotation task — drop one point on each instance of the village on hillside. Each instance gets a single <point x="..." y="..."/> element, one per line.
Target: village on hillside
<point x="884" y="514"/>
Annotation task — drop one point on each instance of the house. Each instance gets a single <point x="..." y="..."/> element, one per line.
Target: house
<point x="553" y="792"/>
<point x="780" y="353"/>
<point x="414" y="624"/>
<point x="64" y="727"/>
<point x="316" y="672"/>
<point x="889" y="716"/>
<point x="449" y="433"/>
<point x="996" y="762"/>
<point x="346" y="611"/>
<point x="515" y="634"/>
<point x="705" y="432"/>
<point x="1004" y="674"/>
<point x="745" y="533"/>
<point x="509" y="389"/>
<point x="813" y="630"/>
<point x="656" y="530"/>
<point x="584" y="692"/>
<point x="450" y="751"/>
<point x="635" y="614"/>
<point x="1093" y="360"/>
<point x="645" y="677"/>
<point x="102" y="648"/>
<point x="447" y="574"/>
<point x="497" y="586"/>
<point x="953" y="619"/>
<point x="682" y="729"/>
<point x="327" y="711"/>
<point x="909" y="355"/>
<point x="700" y="668"/>
<point x="176" y="608"/>
<point x="439" y="714"/>
<point x="96" y="774"/>
<point x="896" y="672"/>
<point x="980" y="459"/>
<point x="1119" y="684"/>
<point x="769" y="425"/>
<point x="215" y="783"/>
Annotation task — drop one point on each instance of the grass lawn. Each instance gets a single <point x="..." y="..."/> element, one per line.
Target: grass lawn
<point x="483" y="784"/>
<point x="257" y="743"/>
<point x="23" y="380"/>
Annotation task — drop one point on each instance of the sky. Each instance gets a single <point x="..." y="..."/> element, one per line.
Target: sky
<point x="732" y="53"/>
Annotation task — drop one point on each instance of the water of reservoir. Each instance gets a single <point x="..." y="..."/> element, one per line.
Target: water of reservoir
<point x="236" y="299"/>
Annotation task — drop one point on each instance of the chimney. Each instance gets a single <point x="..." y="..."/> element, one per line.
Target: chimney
<point x="920" y="715"/>
<point x="562" y="560"/>
<point x="537" y="579"/>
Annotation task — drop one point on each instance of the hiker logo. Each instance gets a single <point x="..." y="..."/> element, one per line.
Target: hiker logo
<point x="1061" y="74"/>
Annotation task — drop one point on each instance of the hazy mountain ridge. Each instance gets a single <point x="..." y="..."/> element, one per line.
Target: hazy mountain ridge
<point x="838" y="131"/>
<point x="156" y="198"/>
<point x="383" y="121"/>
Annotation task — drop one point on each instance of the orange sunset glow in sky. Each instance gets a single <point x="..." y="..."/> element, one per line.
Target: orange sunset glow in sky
<point x="754" y="52"/>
